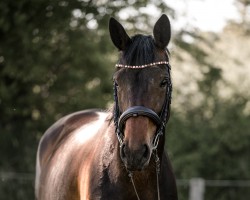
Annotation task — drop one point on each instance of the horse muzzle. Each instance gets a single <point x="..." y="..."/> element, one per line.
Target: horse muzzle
<point x="135" y="159"/>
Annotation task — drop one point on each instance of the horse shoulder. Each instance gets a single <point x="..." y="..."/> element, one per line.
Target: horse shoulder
<point x="62" y="148"/>
<point x="65" y="127"/>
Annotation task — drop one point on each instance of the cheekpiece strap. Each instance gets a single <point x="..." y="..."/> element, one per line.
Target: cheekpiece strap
<point x="142" y="66"/>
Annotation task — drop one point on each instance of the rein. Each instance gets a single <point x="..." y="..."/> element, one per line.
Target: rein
<point x="134" y="111"/>
<point x="157" y="170"/>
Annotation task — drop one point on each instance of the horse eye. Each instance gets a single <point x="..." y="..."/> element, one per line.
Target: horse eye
<point x="164" y="82"/>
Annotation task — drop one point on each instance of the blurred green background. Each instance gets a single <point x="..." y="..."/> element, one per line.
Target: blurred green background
<point x="56" y="58"/>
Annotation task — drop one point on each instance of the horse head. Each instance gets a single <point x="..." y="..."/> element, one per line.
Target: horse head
<point x="142" y="88"/>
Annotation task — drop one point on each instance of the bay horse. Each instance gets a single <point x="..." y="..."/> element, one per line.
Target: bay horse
<point x="116" y="155"/>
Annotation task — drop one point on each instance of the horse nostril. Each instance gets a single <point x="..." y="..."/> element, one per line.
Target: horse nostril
<point x="146" y="151"/>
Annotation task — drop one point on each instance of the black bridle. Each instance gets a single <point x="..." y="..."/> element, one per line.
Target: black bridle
<point x="160" y="120"/>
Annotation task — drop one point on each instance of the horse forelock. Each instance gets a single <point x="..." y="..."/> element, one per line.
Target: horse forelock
<point x="140" y="51"/>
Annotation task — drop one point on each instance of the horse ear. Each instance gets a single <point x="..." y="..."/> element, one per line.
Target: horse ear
<point x="118" y="34"/>
<point x="162" y="32"/>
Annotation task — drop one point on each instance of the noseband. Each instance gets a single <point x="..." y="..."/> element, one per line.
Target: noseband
<point x="134" y="111"/>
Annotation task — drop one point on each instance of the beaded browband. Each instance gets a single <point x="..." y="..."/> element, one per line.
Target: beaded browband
<point x="142" y="66"/>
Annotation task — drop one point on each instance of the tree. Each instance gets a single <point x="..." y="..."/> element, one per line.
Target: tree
<point x="51" y="64"/>
<point x="210" y="121"/>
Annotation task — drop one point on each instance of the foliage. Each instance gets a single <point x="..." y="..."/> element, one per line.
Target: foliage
<point x="50" y="65"/>
<point x="209" y="135"/>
